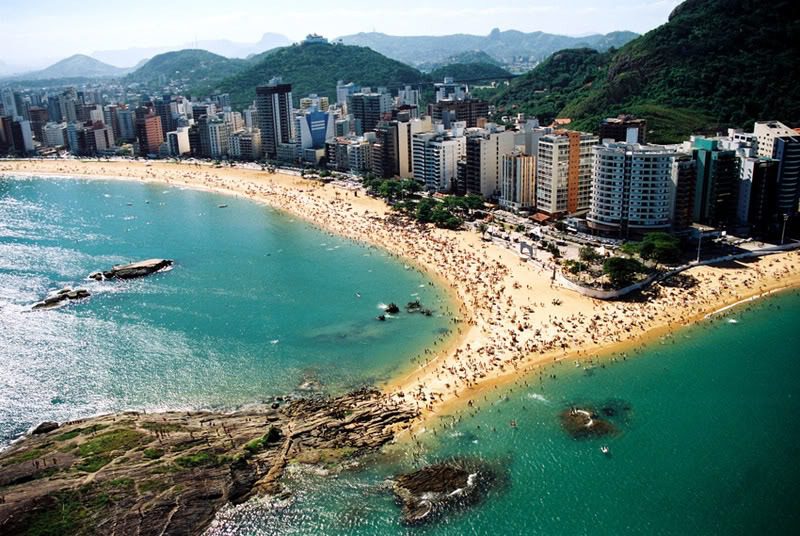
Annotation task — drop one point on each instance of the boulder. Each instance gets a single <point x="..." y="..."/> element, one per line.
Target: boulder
<point x="45" y="427"/>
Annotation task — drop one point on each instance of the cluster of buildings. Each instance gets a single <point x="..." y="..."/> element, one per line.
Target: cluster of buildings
<point x="614" y="181"/>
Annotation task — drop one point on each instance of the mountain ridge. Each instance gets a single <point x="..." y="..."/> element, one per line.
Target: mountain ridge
<point x="75" y="66"/>
<point x="503" y="46"/>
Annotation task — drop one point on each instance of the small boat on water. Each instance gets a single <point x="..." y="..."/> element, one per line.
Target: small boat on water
<point x="605" y="450"/>
<point x="222" y="206"/>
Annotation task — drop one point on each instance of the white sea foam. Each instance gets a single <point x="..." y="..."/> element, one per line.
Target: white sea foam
<point x="537" y="396"/>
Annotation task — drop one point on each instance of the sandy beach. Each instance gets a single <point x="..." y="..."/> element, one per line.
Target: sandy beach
<point x="511" y="319"/>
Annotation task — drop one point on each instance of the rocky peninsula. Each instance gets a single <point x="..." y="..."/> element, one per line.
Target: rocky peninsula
<point x="169" y="473"/>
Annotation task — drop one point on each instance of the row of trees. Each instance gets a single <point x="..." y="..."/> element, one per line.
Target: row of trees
<point x="403" y="195"/>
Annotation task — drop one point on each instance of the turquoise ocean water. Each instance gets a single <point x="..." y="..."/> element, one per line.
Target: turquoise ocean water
<point x="256" y="305"/>
<point x="709" y="444"/>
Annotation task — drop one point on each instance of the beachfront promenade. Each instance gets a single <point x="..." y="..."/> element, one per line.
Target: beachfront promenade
<point x="507" y="321"/>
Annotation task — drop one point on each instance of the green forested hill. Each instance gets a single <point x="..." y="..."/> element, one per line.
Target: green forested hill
<point x="715" y="63"/>
<point x="193" y="66"/>
<point x="315" y="68"/>
<point x="469" y="71"/>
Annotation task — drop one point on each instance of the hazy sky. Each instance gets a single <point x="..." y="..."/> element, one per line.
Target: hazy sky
<point x="53" y="29"/>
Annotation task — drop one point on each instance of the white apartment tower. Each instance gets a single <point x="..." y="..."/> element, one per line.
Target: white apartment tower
<point x="633" y="188"/>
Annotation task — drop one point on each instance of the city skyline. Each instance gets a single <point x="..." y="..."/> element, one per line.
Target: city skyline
<point x="50" y="34"/>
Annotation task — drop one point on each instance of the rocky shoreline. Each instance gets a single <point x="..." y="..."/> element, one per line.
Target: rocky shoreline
<point x="169" y="473"/>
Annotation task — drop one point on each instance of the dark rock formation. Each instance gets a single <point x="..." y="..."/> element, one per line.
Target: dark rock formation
<point x="433" y="490"/>
<point x="133" y="270"/>
<point x="46" y="426"/>
<point x="169" y="473"/>
<point x="582" y="423"/>
<point x="57" y="298"/>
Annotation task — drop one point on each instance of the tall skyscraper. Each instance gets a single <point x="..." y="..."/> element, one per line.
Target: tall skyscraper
<point x="564" y="172"/>
<point x="149" y="133"/>
<point x="274" y="107"/>
<point x="716" y="187"/>
<point x="517" y="180"/>
<point x="369" y="108"/>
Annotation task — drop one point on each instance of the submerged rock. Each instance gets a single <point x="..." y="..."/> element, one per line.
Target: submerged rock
<point x="132" y="270"/>
<point x="583" y="423"/>
<point x="433" y="490"/>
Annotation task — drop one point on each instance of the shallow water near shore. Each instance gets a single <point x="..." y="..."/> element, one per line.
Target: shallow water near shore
<point x="257" y="304"/>
<point x="708" y="446"/>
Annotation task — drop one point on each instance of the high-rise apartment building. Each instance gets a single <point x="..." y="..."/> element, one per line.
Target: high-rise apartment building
<point x="471" y="111"/>
<point x="781" y="143"/>
<point x="275" y="121"/>
<point x="436" y="156"/>
<point x="564" y="172"/>
<point x="178" y="141"/>
<point x="385" y="155"/>
<point x="405" y="134"/>
<point x="484" y="150"/>
<point x="633" y="188"/>
<point x="716" y="187"/>
<point x="517" y="180"/>
<point x="684" y="172"/>
<point x="246" y="145"/>
<point x="624" y="128"/>
<point x="148" y="132"/>
<point x="54" y="135"/>
<point x="369" y="109"/>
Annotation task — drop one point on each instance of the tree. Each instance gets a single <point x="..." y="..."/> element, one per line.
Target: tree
<point x="622" y="271"/>
<point x="425" y="210"/>
<point x="473" y="201"/>
<point x="588" y="254"/>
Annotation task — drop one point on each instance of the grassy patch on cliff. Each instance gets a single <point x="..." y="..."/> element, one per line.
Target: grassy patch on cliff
<point x="68" y="512"/>
<point x="256" y="445"/>
<point x="110" y="441"/>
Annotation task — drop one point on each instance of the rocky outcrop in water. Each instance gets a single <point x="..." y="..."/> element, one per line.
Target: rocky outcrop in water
<point x="58" y="298"/>
<point x="589" y="421"/>
<point x="169" y="473"/>
<point x="433" y="490"/>
<point x="133" y="270"/>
